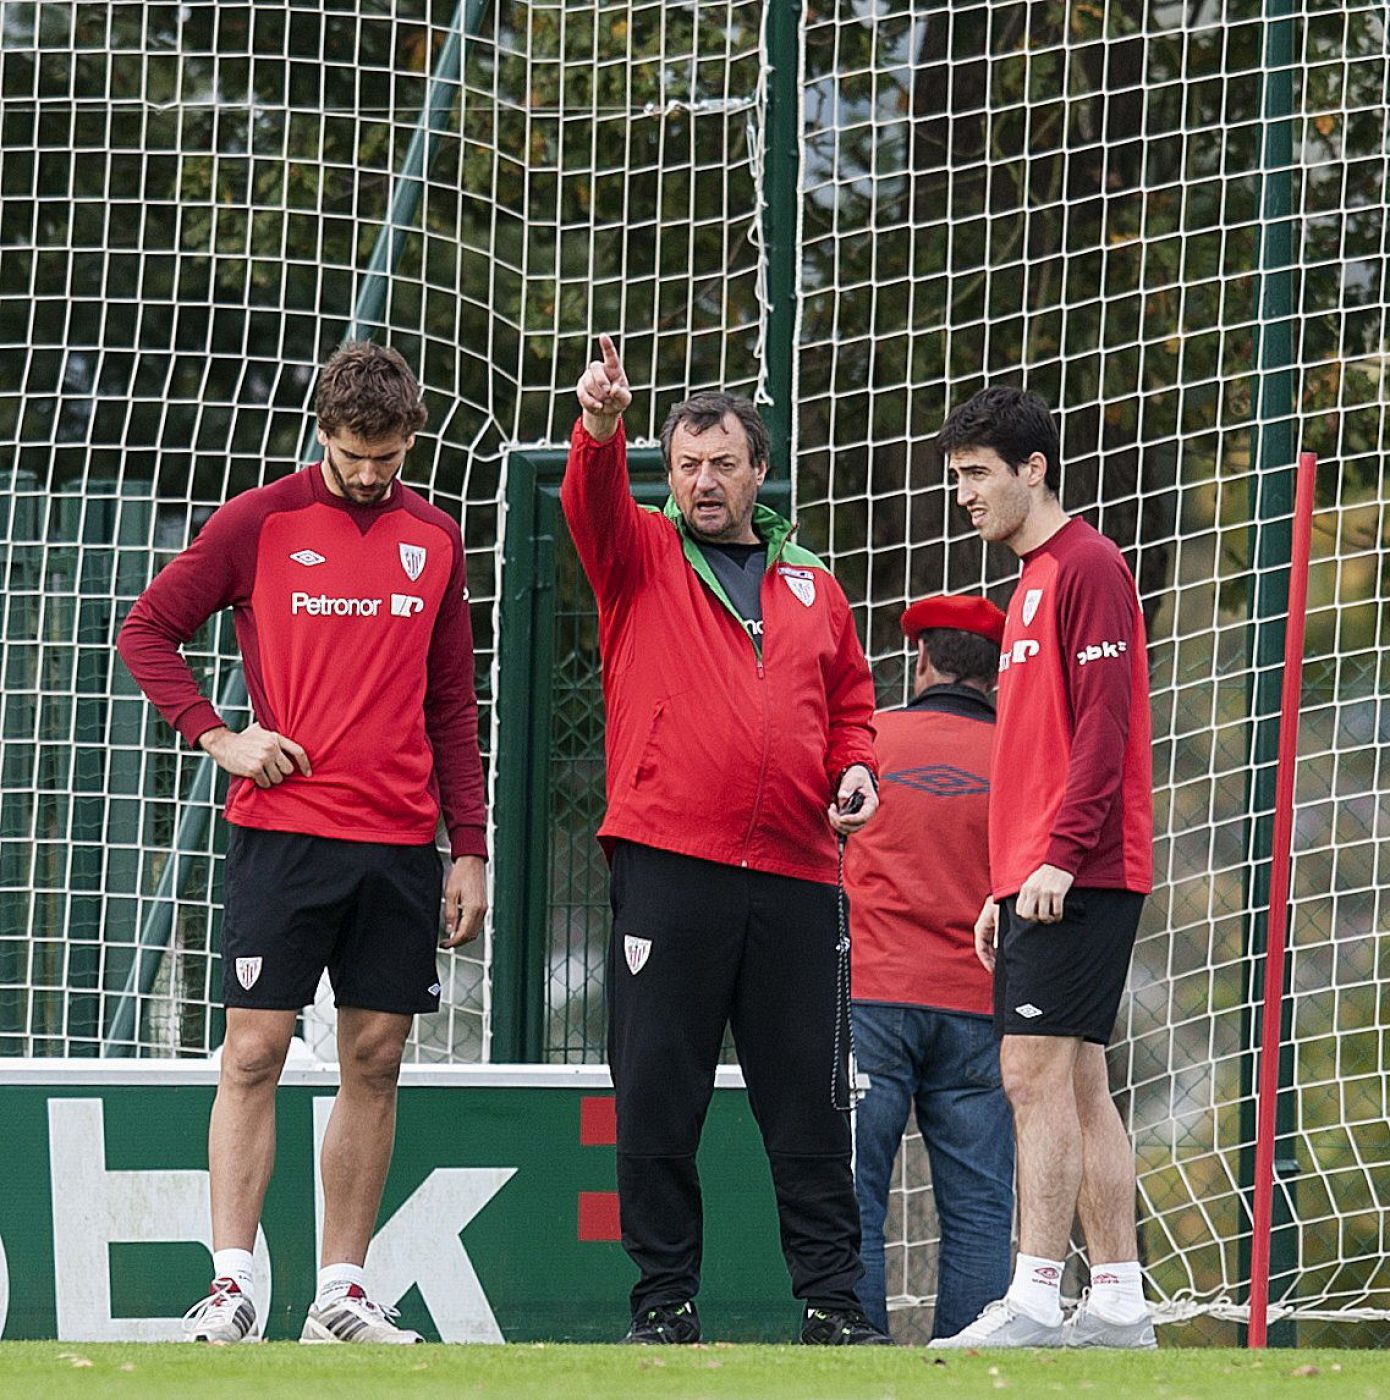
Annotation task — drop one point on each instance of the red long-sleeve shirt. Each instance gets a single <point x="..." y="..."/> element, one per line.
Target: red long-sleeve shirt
<point x="1073" y="777"/>
<point x="357" y="644"/>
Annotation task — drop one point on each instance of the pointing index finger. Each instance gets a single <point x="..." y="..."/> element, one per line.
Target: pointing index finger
<point x="611" y="362"/>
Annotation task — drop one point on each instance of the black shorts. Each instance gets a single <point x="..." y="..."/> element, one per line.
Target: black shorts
<point x="1065" y="978"/>
<point x="295" y="905"/>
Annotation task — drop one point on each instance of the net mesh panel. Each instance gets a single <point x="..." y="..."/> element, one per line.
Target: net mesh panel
<point x="1069" y="197"/>
<point x="1064" y="195"/>
<point x="191" y="195"/>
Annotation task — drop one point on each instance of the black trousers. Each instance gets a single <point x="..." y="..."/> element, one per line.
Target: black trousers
<point x="696" y="946"/>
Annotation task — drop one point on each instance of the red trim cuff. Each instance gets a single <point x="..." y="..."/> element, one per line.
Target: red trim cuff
<point x="197" y="721"/>
<point x="468" y="841"/>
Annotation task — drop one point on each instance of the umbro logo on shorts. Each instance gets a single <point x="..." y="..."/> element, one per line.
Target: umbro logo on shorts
<point x="435" y="989"/>
<point x="1028" y="1010"/>
<point x="247" y="971"/>
<point x="638" y="950"/>
<point x="308" y="558"/>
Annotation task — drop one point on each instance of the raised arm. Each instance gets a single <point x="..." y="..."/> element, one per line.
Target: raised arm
<point x="605" y="522"/>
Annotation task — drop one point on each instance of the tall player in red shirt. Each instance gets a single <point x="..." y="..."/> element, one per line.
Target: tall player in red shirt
<point x="1071" y="836"/>
<point x="352" y="618"/>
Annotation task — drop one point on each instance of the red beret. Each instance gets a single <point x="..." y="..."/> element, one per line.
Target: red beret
<point x="963" y="612"/>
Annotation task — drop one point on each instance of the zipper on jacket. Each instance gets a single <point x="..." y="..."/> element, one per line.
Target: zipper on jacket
<point x="762" y="762"/>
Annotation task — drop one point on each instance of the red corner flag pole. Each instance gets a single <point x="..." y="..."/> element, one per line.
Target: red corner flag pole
<point x="1279" y="901"/>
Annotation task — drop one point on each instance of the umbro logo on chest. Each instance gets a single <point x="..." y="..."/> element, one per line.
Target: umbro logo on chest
<point x="413" y="558"/>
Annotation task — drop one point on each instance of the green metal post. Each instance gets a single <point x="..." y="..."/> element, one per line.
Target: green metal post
<point x="1271" y="501"/>
<point x="781" y="222"/>
<point x="518" y="1000"/>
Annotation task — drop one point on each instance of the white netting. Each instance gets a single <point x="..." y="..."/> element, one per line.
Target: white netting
<point x="1078" y="197"/>
<point x="1081" y="195"/>
<point x="192" y="196"/>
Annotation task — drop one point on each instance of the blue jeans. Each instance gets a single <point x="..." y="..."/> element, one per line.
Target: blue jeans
<point x="947" y="1065"/>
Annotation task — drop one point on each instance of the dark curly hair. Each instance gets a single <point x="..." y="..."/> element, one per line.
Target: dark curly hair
<point x="369" y="390"/>
<point x="965" y="655"/>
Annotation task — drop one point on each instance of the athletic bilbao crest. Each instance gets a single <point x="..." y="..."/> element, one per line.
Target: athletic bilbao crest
<point x="638" y="950"/>
<point x="413" y="560"/>
<point x="247" y="970"/>
<point x="1031" y="599"/>
<point x="802" y="583"/>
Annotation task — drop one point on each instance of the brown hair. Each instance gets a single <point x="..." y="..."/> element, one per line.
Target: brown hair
<point x="369" y="390"/>
<point x="702" y="411"/>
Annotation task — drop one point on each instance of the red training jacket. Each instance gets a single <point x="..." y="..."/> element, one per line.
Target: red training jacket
<point x="1073" y="774"/>
<point x="918" y="873"/>
<point x="357" y="644"/>
<point x="715" y="748"/>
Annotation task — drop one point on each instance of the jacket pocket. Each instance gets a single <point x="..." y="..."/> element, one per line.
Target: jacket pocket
<point x="646" y="761"/>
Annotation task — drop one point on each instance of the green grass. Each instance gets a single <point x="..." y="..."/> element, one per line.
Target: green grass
<point x="526" y="1372"/>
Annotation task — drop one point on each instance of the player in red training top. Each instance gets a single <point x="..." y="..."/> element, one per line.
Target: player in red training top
<point x="1071" y="837"/>
<point x="352" y="618"/>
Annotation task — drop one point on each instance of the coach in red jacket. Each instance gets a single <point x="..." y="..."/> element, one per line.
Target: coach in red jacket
<point x="739" y="736"/>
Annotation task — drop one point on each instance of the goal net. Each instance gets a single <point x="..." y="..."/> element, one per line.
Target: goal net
<point x="198" y="202"/>
<point x="1168" y="218"/>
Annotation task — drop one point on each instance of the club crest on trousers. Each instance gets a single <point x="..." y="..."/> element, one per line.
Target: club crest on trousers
<point x="637" y="951"/>
<point x="247" y="971"/>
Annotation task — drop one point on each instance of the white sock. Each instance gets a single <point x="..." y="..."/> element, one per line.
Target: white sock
<point x="234" y="1264"/>
<point x="1117" y="1292"/>
<point x="336" y="1279"/>
<point x="1037" y="1289"/>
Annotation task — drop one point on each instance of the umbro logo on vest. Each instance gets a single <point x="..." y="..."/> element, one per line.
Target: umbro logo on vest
<point x="308" y="558"/>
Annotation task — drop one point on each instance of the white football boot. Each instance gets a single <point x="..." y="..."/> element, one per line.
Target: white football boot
<point x="1085" y="1329"/>
<point x="1002" y="1325"/>
<point x="355" y="1318"/>
<point x="223" y="1317"/>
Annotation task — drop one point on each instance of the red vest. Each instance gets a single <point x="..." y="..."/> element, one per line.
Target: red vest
<point x="917" y="875"/>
